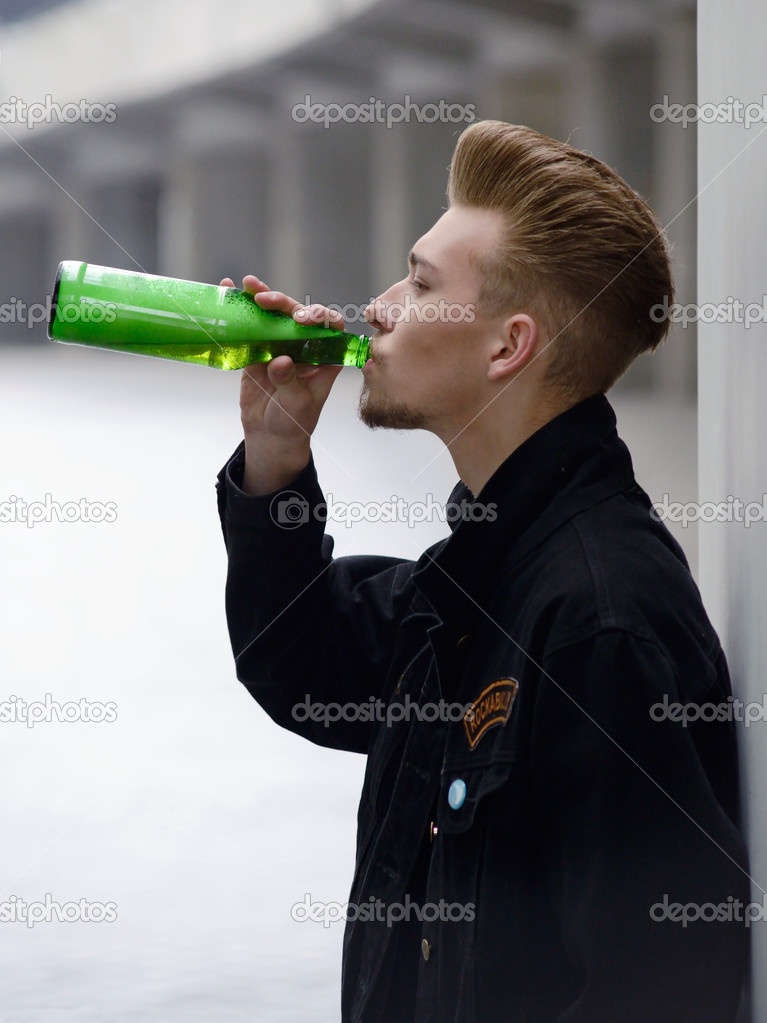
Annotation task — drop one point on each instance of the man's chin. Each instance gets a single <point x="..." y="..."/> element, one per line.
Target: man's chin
<point x="390" y="415"/>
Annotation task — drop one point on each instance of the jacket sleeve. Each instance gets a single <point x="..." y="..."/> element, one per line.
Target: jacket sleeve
<point x="312" y="636"/>
<point x="643" y="859"/>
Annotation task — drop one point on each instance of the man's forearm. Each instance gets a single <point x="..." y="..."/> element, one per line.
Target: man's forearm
<point x="294" y="613"/>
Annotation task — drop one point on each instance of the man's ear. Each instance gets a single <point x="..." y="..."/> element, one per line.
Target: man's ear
<point x="514" y="348"/>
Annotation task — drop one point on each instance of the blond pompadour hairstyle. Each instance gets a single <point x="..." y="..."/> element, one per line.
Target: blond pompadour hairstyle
<point x="582" y="253"/>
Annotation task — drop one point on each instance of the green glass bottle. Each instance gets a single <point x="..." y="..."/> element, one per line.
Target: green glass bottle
<point x="123" y="311"/>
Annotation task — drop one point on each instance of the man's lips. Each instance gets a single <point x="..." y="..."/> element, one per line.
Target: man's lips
<point x="372" y="355"/>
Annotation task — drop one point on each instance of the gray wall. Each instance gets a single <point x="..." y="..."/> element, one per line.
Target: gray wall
<point x="732" y="216"/>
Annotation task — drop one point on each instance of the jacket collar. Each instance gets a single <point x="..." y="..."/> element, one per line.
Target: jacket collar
<point x="571" y="463"/>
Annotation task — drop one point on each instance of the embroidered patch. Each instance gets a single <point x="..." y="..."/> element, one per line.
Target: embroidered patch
<point x="492" y="707"/>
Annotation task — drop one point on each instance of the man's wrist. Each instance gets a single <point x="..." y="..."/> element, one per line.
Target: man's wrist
<point x="270" y="468"/>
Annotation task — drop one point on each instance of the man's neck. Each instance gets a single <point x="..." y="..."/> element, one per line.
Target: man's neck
<point x="485" y="443"/>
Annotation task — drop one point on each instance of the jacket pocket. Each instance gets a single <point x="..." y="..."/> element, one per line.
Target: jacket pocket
<point x="463" y="790"/>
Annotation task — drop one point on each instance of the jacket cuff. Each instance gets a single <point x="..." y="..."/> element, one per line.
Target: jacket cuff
<point x="289" y="509"/>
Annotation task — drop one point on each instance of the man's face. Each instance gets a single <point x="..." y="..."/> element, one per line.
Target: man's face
<point x="429" y="359"/>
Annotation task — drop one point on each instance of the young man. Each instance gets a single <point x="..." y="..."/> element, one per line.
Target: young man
<point x="541" y="856"/>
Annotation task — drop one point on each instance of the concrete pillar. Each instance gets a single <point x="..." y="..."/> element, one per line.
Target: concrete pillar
<point x="67" y="227"/>
<point x="585" y="98"/>
<point x="673" y="189"/>
<point x="110" y="214"/>
<point x="389" y="222"/>
<point x="609" y="90"/>
<point x="123" y="231"/>
<point x="334" y="217"/>
<point x="212" y="217"/>
<point x="22" y="273"/>
<point x="211" y="210"/>
<point x="429" y="149"/>
<point x="537" y="99"/>
<point x="410" y="171"/>
<point x="732" y="365"/>
<point x="285" y="262"/>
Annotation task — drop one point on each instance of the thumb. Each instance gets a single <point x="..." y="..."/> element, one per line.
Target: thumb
<point x="282" y="373"/>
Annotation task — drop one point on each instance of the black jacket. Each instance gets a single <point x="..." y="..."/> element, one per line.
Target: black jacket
<point x="524" y="842"/>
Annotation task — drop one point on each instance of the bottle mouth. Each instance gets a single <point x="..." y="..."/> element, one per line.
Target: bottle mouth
<point x="363" y="352"/>
<point x="54" y="301"/>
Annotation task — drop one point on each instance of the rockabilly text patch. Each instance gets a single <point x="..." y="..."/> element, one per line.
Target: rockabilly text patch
<point x="491" y="707"/>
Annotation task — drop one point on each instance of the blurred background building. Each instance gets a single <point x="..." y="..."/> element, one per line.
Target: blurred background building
<point x="202" y="166"/>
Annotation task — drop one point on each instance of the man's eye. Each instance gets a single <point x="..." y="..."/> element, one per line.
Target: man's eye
<point x="418" y="285"/>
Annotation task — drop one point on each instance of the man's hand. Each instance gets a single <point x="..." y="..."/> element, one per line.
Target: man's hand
<point x="280" y="402"/>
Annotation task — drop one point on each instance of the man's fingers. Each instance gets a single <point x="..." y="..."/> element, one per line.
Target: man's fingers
<point x="319" y="314"/>
<point x="253" y="284"/>
<point x="250" y="283"/>
<point x="277" y="300"/>
<point x="311" y="315"/>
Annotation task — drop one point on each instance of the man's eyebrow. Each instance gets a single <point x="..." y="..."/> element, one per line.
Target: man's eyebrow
<point x="415" y="260"/>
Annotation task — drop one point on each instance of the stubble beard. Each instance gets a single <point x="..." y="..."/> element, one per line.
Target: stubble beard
<point x="388" y="414"/>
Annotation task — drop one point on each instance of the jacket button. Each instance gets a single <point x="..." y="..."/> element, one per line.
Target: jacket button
<point x="425" y="949"/>
<point x="433" y="831"/>
<point x="462" y="642"/>
<point x="456" y="794"/>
